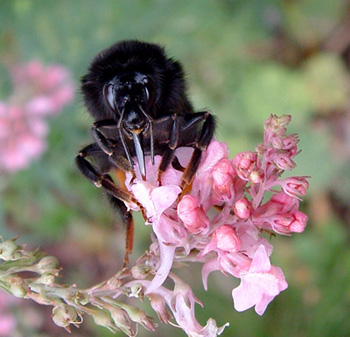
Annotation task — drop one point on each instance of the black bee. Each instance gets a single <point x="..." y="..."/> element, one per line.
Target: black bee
<point x="137" y="96"/>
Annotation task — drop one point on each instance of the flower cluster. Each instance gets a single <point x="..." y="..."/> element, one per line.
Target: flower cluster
<point x="220" y="222"/>
<point x="38" y="92"/>
<point x="223" y="221"/>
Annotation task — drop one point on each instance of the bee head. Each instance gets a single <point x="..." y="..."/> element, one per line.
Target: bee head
<point x="129" y="95"/>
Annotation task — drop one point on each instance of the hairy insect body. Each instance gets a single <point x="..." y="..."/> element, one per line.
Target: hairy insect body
<point x="137" y="96"/>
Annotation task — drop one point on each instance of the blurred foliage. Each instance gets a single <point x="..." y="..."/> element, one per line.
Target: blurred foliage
<point x="244" y="60"/>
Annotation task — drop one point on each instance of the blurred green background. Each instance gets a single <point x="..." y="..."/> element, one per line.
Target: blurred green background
<point x="244" y="60"/>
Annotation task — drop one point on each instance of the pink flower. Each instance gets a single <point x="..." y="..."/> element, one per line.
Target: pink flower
<point x="245" y="163"/>
<point x="37" y="92"/>
<point x="294" y="186"/>
<point x="227" y="239"/>
<point x="281" y="215"/>
<point x="219" y="223"/>
<point x="192" y="216"/>
<point x="243" y="208"/>
<point x="223" y="176"/>
<point x="259" y="285"/>
<point x="8" y="321"/>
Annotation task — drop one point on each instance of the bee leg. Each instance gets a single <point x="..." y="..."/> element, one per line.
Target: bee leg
<point x="101" y="179"/>
<point x="128" y="222"/>
<point x="97" y="130"/>
<point x="173" y="144"/>
<point x="100" y="138"/>
<point x="116" y="195"/>
<point x="204" y="137"/>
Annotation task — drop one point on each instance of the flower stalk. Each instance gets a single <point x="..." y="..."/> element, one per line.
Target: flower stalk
<point x="218" y="222"/>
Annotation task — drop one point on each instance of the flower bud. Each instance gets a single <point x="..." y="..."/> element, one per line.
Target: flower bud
<point x="243" y="208"/>
<point x="48" y="264"/>
<point x="245" y="163"/>
<point x="223" y="175"/>
<point x="158" y="305"/>
<point x="136" y="290"/>
<point x="17" y="287"/>
<point x="140" y="271"/>
<point x="102" y="318"/>
<point x="46" y="278"/>
<point x="63" y="315"/>
<point x="299" y="223"/>
<point x="286" y="143"/>
<point x="122" y="320"/>
<point x="256" y="177"/>
<point x="227" y="239"/>
<point x="277" y="125"/>
<point x="284" y="162"/>
<point x="295" y="186"/>
<point x="193" y="217"/>
<point x="9" y="250"/>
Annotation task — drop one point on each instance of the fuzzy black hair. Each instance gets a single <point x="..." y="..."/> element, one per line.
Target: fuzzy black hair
<point x="146" y="58"/>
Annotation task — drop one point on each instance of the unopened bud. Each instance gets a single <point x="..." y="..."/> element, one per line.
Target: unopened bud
<point x="140" y="271"/>
<point x="122" y="321"/>
<point x="63" y="315"/>
<point x="243" y="208"/>
<point x="299" y="224"/>
<point x="17" y="287"/>
<point x="46" y="278"/>
<point x="9" y="250"/>
<point x="193" y="217"/>
<point x="223" y="175"/>
<point x="158" y="305"/>
<point x="48" y="264"/>
<point x="227" y="239"/>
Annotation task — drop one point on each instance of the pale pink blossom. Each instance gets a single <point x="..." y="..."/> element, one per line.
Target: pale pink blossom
<point x="259" y="285"/>
<point x="38" y="92"/>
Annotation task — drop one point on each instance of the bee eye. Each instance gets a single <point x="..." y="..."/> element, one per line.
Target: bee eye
<point x="147" y="93"/>
<point x="108" y="95"/>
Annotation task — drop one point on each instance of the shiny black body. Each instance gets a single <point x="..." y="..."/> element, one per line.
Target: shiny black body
<point x="137" y="96"/>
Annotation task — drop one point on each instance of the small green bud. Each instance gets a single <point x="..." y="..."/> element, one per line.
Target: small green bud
<point x="63" y="315"/>
<point x="48" y="264"/>
<point x="140" y="272"/>
<point x="103" y="319"/>
<point x="8" y="250"/>
<point x="46" y="278"/>
<point x="122" y="321"/>
<point x="17" y="287"/>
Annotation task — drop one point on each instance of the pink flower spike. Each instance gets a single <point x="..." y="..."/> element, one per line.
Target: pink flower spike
<point x="193" y="217"/>
<point x="243" y="208"/>
<point x="259" y="285"/>
<point x="227" y="239"/>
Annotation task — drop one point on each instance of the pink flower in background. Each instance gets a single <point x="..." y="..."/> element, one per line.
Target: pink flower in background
<point x="8" y="321"/>
<point x="38" y="92"/>
<point x="220" y="222"/>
